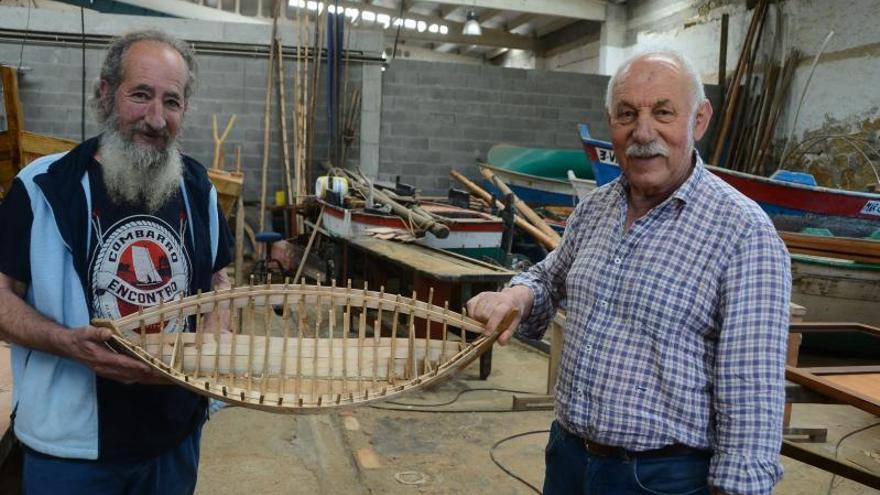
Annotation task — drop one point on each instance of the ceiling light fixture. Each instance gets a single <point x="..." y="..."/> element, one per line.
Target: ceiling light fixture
<point x="472" y="25"/>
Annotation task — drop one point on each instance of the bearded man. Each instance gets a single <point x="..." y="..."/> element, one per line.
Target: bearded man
<point x="121" y="222"/>
<point x="677" y="289"/>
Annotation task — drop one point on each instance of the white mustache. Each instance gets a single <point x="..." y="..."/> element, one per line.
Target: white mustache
<point x="647" y="149"/>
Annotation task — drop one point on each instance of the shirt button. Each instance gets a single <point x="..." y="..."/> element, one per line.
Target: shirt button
<point x="588" y="347"/>
<point x="617" y="260"/>
<point x="604" y="304"/>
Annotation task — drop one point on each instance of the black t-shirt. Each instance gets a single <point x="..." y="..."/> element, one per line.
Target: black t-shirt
<point x="134" y="260"/>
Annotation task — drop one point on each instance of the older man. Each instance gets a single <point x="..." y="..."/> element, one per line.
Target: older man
<point x="677" y="289"/>
<point x="121" y="222"/>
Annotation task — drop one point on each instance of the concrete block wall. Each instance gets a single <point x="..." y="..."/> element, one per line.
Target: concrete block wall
<point x="436" y="116"/>
<point x="229" y="83"/>
<point x="51" y="97"/>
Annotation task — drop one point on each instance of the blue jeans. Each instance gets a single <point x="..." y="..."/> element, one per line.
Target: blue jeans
<point x="172" y="473"/>
<point x="571" y="470"/>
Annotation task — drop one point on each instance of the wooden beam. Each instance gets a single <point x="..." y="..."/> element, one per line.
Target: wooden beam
<point x="592" y="10"/>
<point x="859" y="250"/>
<point x="824" y="386"/>
<point x="845" y="470"/>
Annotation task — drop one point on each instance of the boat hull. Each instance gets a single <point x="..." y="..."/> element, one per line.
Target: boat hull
<point x="837" y="291"/>
<point x="475" y="237"/>
<point x="533" y="190"/>
<point x="550" y="163"/>
<point x="792" y="206"/>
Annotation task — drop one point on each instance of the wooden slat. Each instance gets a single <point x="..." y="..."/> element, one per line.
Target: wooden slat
<point x="867" y="403"/>
<point x="866" y="384"/>
<point x="847" y="248"/>
<point x="37" y="144"/>
<point x="829" y="464"/>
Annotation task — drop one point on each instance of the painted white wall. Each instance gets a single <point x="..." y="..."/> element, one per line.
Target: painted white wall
<point x="842" y="90"/>
<point x="844" y="85"/>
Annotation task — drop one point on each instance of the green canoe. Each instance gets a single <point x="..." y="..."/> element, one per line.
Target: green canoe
<point x="550" y="163"/>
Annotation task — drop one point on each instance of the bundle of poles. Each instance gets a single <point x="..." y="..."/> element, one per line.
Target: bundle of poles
<point x="312" y="31"/>
<point x="754" y="98"/>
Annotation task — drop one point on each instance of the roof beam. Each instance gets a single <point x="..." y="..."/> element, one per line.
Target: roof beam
<point x="591" y="10"/>
<point x="490" y="37"/>
<point x="520" y="20"/>
<point x="553" y="26"/>
<point x="579" y="33"/>
<point x="187" y="10"/>
<point x="418" y="53"/>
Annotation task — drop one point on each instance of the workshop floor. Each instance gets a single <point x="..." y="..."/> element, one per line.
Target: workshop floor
<point x="379" y="451"/>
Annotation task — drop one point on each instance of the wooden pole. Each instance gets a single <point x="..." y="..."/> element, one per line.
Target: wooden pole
<point x="730" y="103"/>
<point x="520" y="222"/>
<point x="218" y="141"/>
<point x="282" y="105"/>
<point x="267" y="111"/>
<point x="722" y="56"/>
<point x="520" y="206"/>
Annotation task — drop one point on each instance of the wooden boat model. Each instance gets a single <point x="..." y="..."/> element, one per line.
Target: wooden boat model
<point x="301" y="348"/>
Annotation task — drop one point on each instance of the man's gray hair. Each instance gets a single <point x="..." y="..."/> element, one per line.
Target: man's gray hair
<point x="112" y="69"/>
<point x="698" y="94"/>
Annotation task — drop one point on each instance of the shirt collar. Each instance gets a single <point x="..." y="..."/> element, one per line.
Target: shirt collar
<point x="685" y="191"/>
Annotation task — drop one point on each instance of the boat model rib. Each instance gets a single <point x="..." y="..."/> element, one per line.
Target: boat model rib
<point x="302" y="348"/>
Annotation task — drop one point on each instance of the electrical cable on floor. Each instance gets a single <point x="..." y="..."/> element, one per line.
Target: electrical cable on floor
<point x="837" y="450"/>
<point x="409" y="407"/>
<point x="508" y="471"/>
<point x="462" y="392"/>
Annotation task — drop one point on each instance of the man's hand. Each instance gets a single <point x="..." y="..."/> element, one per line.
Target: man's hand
<point x="90" y="346"/>
<point x="492" y="307"/>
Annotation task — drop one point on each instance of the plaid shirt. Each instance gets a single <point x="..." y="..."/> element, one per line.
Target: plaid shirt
<point x="677" y="327"/>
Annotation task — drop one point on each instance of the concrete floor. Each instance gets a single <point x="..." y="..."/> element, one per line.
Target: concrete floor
<point x="379" y="451"/>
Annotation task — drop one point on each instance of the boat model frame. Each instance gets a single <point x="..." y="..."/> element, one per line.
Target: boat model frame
<point x="299" y="373"/>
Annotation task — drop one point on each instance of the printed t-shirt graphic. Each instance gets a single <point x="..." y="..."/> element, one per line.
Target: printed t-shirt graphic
<point x="140" y="262"/>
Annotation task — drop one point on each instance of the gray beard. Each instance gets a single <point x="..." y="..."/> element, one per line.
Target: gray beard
<point x="139" y="175"/>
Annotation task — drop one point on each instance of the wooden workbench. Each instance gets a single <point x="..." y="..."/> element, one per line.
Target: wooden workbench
<point x="404" y="268"/>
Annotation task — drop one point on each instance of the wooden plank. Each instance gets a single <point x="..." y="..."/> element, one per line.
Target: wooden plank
<point x="848" y="248"/>
<point x="438" y="264"/>
<point x="39" y="145"/>
<point x="867" y="384"/>
<point x="823" y="385"/>
<point x="829" y="464"/>
<point x="841" y="370"/>
<point x="833" y="327"/>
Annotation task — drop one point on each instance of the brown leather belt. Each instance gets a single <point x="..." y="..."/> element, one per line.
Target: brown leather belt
<point x="621" y="453"/>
